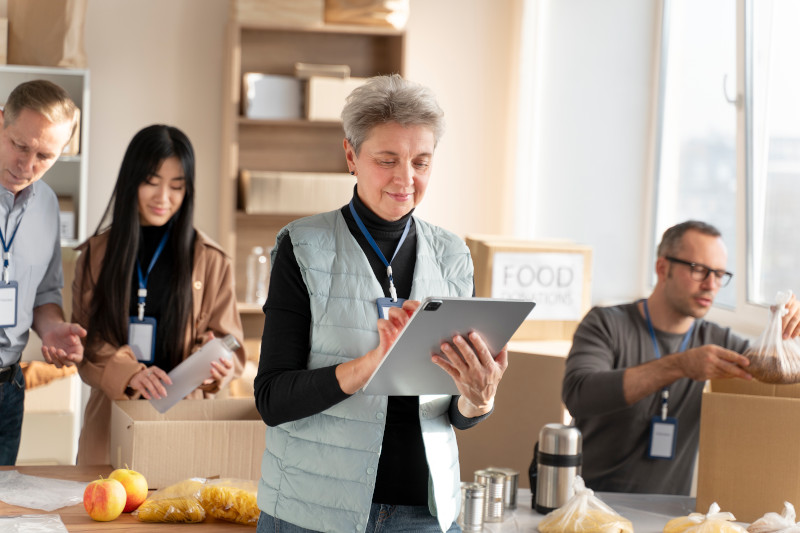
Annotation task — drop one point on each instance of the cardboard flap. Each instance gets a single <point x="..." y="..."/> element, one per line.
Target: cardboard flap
<point x="755" y="388"/>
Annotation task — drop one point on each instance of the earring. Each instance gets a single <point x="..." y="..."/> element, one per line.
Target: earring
<point x="352" y="172"/>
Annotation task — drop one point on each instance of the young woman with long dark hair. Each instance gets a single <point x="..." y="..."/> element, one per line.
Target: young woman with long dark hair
<point x="147" y="272"/>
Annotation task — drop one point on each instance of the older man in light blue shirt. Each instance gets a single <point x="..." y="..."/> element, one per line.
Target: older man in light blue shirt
<point x="38" y="120"/>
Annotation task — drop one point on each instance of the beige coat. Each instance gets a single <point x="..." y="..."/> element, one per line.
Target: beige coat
<point x="108" y="369"/>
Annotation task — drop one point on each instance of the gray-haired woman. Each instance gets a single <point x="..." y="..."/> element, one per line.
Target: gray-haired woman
<point x="336" y="459"/>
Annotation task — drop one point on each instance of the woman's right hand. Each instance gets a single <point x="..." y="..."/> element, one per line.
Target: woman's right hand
<point x="354" y="374"/>
<point x="149" y="382"/>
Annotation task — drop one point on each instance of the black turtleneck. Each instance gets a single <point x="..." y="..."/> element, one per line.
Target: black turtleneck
<point x="287" y="390"/>
<point x="158" y="286"/>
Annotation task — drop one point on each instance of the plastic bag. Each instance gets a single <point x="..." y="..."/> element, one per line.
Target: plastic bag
<point x="176" y="503"/>
<point x="584" y="513"/>
<point x="777" y="523"/>
<point x="36" y="492"/>
<point x="32" y="523"/>
<point x="233" y="500"/>
<point x="774" y="359"/>
<point x="713" y="522"/>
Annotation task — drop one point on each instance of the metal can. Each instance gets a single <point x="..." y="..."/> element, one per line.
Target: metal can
<point x="495" y="483"/>
<point x="512" y="484"/>
<point x="472" y="507"/>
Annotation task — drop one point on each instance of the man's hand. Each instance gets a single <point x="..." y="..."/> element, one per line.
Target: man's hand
<point x="712" y="362"/>
<point x="61" y="344"/>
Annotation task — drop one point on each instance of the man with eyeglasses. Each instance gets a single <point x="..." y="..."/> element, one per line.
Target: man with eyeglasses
<point x="635" y="373"/>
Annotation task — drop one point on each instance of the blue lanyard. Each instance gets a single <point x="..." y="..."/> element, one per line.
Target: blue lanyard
<point x="372" y="243"/>
<point x="684" y="344"/>
<point x="142" y="293"/>
<point x="7" y="249"/>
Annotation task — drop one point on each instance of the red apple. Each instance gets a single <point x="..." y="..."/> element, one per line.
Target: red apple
<point x="104" y="499"/>
<point x="135" y="487"/>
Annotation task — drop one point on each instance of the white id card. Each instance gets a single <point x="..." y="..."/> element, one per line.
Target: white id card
<point x="385" y="303"/>
<point x="142" y="338"/>
<point x="663" y="436"/>
<point x="8" y="304"/>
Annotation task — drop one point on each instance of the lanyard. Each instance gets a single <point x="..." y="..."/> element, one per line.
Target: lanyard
<point x="684" y="344"/>
<point x="7" y="249"/>
<point x="387" y="264"/>
<point x="142" y="293"/>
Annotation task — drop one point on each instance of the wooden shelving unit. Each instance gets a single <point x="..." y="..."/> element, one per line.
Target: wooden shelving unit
<point x="285" y="145"/>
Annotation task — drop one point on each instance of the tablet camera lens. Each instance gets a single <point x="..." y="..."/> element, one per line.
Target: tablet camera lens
<point x="433" y="305"/>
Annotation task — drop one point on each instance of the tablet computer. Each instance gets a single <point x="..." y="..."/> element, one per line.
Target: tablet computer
<point x="407" y="369"/>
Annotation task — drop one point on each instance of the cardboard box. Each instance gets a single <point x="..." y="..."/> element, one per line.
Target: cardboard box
<point x="749" y="460"/>
<point x="557" y="275"/>
<point x="325" y="96"/>
<point x="66" y="208"/>
<point x="196" y="438"/>
<point x="3" y="41"/>
<point x="294" y="13"/>
<point x="271" y="97"/>
<point x="294" y="193"/>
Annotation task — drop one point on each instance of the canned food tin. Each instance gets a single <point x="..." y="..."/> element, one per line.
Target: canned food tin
<point x="472" y="507"/>
<point x="495" y="486"/>
<point x="512" y="484"/>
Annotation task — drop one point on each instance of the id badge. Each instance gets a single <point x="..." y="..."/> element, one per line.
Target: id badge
<point x="9" y="290"/>
<point x="142" y="338"/>
<point x="385" y="303"/>
<point x="663" y="436"/>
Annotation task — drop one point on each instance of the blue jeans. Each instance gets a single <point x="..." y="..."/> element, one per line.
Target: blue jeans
<point x="12" y="405"/>
<point x="382" y="519"/>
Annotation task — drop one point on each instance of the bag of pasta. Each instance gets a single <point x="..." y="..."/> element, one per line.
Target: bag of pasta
<point x="178" y="503"/>
<point x="584" y="513"/>
<point x="233" y="500"/>
<point x="774" y="359"/>
<point x="774" y="522"/>
<point x="713" y="522"/>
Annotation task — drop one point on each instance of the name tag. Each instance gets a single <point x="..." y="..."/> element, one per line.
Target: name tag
<point x="385" y="303"/>
<point x="663" y="437"/>
<point x="142" y="338"/>
<point x="9" y="292"/>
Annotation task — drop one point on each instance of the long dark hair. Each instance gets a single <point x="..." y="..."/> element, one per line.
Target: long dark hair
<point x="111" y="300"/>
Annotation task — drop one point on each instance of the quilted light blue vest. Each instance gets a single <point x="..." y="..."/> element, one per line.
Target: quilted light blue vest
<point x="319" y="472"/>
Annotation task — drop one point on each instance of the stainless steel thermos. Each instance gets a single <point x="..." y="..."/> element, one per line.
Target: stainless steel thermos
<point x="557" y="460"/>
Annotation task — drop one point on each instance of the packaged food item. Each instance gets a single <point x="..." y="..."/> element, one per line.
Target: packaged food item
<point x="774" y="522"/>
<point x="232" y="500"/>
<point x="774" y="359"/>
<point x="584" y="513"/>
<point x="176" y="503"/>
<point x="713" y="522"/>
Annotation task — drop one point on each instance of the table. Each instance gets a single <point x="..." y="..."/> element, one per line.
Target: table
<point x="648" y="512"/>
<point x="77" y="521"/>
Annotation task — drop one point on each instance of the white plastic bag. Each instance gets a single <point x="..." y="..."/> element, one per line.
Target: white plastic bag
<point x="27" y="523"/>
<point x="36" y="492"/>
<point x="777" y="523"/>
<point x="774" y="359"/>
<point x="713" y="522"/>
<point x="584" y="513"/>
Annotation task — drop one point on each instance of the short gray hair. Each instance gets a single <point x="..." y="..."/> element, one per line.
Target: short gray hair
<point x="671" y="240"/>
<point x="384" y="99"/>
<point x="44" y="97"/>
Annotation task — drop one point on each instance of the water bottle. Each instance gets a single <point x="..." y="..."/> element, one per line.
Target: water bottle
<point x="257" y="275"/>
<point x="193" y="370"/>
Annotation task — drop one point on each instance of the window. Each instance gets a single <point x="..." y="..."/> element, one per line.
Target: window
<point x="733" y="161"/>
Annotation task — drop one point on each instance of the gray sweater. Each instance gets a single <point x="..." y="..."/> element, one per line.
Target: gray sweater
<point x="615" y="435"/>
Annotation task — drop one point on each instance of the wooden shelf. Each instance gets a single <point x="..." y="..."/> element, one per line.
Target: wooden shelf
<point x="299" y="123"/>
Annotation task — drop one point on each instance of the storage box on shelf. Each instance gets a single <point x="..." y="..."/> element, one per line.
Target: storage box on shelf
<point x="289" y="147"/>
<point x="749" y="458"/>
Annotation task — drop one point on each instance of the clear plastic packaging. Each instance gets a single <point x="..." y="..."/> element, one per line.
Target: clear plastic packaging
<point x="178" y="503"/>
<point x="777" y="523"/>
<point x="195" y="369"/>
<point x="774" y="359"/>
<point x="713" y="522"/>
<point x="232" y="500"/>
<point x="584" y="513"/>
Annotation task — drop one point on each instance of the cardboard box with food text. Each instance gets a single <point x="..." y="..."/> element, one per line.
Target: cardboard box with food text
<point x="749" y="460"/>
<point x="557" y="275"/>
<point x="196" y="438"/>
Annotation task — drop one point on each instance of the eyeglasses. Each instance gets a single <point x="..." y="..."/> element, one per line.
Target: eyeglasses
<point x="700" y="272"/>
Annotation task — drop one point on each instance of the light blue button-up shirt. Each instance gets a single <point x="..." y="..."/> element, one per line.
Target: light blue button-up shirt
<point x="35" y="262"/>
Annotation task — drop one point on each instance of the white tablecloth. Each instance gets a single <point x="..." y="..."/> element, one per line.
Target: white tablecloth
<point x="648" y="512"/>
